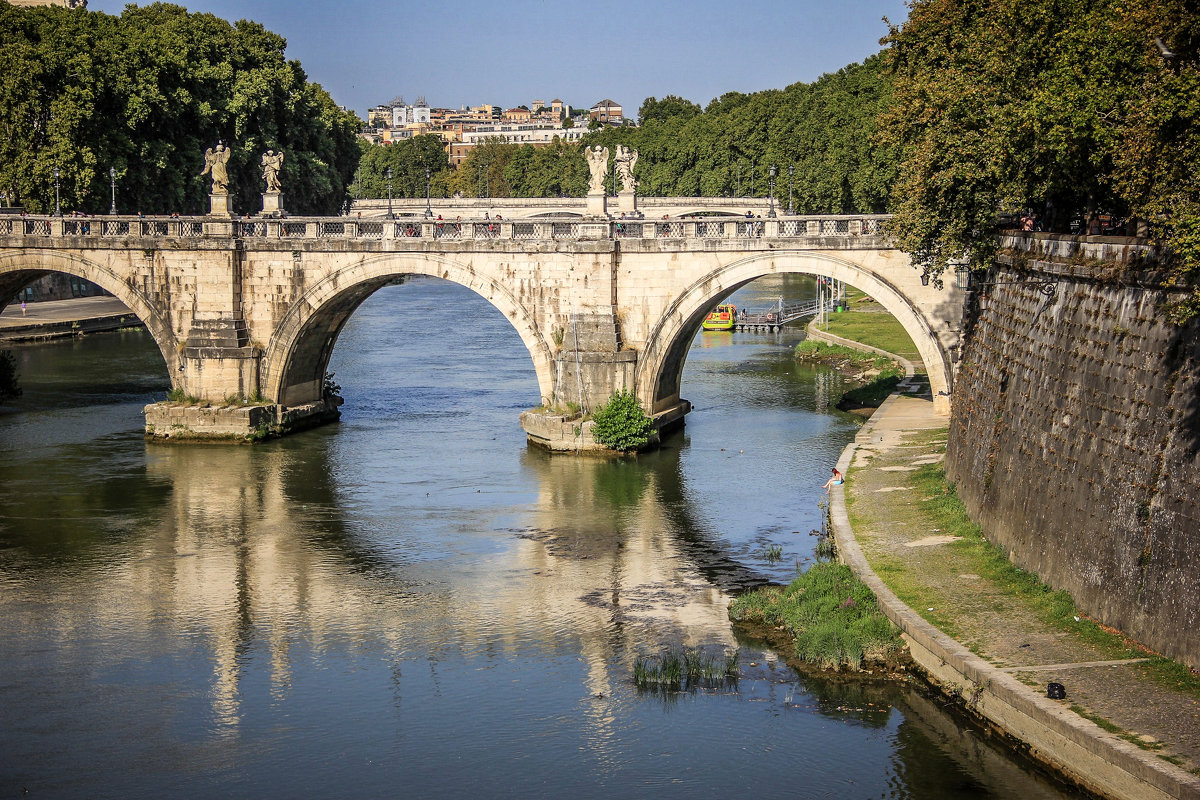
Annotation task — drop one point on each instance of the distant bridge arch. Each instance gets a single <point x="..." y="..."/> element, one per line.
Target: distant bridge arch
<point x="661" y="366"/>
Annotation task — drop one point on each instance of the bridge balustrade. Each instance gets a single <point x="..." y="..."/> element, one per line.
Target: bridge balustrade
<point x="668" y="230"/>
<point x="375" y="229"/>
<point x="368" y="230"/>
<point x="37" y="227"/>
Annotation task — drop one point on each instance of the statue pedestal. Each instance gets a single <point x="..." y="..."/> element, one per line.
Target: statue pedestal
<point x="597" y="205"/>
<point x="627" y="202"/>
<point x="218" y="206"/>
<point x="272" y="204"/>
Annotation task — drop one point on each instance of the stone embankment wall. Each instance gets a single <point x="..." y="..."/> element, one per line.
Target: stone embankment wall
<point x="1075" y="437"/>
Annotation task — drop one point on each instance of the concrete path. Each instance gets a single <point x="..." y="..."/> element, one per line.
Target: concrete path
<point x="54" y="318"/>
<point x="1002" y="654"/>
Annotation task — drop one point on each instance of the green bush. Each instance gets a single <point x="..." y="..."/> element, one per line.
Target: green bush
<point x="832" y="615"/>
<point x="622" y="424"/>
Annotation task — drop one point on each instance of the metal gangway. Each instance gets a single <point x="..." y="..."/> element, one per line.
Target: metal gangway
<point x="774" y="318"/>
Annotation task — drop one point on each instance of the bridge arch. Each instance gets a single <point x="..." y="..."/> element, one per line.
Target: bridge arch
<point x="661" y="367"/>
<point x="20" y="268"/>
<point x="295" y="361"/>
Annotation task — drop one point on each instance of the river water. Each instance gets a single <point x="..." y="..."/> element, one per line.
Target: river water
<point x="414" y="603"/>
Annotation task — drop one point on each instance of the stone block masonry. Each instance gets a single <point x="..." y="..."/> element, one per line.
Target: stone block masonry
<point x="1075" y="443"/>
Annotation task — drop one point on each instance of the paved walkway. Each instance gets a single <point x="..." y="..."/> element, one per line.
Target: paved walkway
<point x="56" y="317"/>
<point x="917" y="562"/>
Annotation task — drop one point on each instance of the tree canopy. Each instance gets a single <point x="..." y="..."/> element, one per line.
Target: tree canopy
<point x="147" y="93"/>
<point x="1063" y="107"/>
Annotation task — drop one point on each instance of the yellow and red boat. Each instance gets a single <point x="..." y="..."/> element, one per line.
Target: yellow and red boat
<point x="721" y="318"/>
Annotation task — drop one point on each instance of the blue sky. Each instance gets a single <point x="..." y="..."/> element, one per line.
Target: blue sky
<point x="510" y="52"/>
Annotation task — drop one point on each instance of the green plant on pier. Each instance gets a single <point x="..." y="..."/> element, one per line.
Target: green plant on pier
<point x="622" y="424"/>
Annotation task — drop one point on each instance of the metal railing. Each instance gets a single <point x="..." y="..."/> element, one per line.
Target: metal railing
<point x="730" y="227"/>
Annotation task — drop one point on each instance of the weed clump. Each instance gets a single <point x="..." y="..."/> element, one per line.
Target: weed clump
<point x="689" y="668"/>
<point x="831" y="614"/>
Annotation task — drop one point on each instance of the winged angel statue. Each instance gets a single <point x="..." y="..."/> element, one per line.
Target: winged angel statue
<point x="214" y="163"/>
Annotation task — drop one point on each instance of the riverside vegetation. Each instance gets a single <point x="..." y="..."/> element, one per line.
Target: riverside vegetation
<point x="869" y="324"/>
<point x="830" y="616"/>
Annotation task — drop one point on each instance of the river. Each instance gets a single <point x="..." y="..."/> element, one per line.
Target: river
<point x="412" y="602"/>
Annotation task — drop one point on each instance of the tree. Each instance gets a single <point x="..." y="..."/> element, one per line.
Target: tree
<point x="408" y="159"/>
<point x="146" y="93"/>
<point x="1061" y="106"/>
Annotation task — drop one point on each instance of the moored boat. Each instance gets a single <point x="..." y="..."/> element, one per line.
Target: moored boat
<point x="721" y="318"/>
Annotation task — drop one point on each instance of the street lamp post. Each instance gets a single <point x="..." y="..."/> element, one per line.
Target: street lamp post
<point x="428" y="209"/>
<point x="112" y="177"/>
<point x="388" y="174"/>
<point x="738" y="193"/>
<point x="57" y="207"/>
<point x="791" y="176"/>
<point x="771" y="192"/>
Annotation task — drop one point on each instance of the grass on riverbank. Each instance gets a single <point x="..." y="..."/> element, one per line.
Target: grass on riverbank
<point x="868" y="322"/>
<point x="884" y="373"/>
<point x="940" y="509"/>
<point x="831" y="614"/>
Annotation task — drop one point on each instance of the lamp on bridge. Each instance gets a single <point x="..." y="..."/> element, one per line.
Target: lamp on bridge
<point x="771" y="192"/>
<point x="428" y="209"/>
<point x="388" y="175"/>
<point x="791" y="177"/>
<point x="57" y="207"/>
<point x="112" y="177"/>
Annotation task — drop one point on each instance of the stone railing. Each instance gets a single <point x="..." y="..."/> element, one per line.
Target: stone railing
<point x="334" y="228"/>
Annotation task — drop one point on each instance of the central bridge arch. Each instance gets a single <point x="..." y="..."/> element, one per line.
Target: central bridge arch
<point x="295" y="361"/>
<point x="661" y="368"/>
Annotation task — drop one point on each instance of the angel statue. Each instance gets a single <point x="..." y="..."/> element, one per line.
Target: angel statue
<point x="272" y="162"/>
<point x="597" y="158"/>
<point x="214" y="162"/>
<point x="624" y="161"/>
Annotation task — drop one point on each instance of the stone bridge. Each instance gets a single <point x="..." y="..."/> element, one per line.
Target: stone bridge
<point x="247" y="313"/>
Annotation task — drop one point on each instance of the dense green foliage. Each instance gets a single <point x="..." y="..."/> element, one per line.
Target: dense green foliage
<point x="832" y="615"/>
<point x="1063" y="107"/>
<point x="823" y="130"/>
<point x="408" y="160"/>
<point x="147" y="93"/>
<point x="9" y="387"/>
<point x="622" y="424"/>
